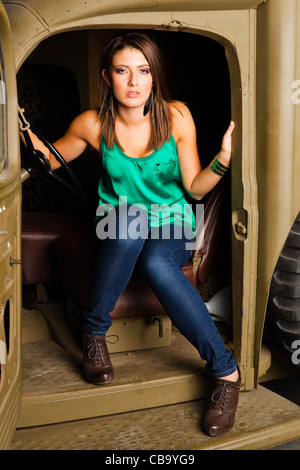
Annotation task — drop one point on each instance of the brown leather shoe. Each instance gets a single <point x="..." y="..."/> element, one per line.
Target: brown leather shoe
<point x="220" y="414"/>
<point x="97" y="366"/>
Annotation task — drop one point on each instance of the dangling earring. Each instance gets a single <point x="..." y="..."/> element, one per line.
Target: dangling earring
<point x="107" y="103"/>
<point x="148" y="104"/>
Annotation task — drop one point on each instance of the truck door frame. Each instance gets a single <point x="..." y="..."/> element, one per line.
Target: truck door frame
<point x="236" y="31"/>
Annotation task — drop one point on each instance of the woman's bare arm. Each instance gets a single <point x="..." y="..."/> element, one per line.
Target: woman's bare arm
<point x="197" y="181"/>
<point x="83" y="130"/>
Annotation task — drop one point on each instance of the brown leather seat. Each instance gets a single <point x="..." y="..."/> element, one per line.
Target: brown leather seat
<point x="76" y="254"/>
<point x="56" y="246"/>
<point x="39" y="230"/>
<point x="214" y="216"/>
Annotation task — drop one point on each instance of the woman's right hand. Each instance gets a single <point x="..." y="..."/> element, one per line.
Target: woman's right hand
<point x="36" y="142"/>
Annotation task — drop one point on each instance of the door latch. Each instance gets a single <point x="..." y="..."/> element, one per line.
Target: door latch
<point x="240" y="228"/>
<point x="240" y="224"/>
<point x="160" y="325"/>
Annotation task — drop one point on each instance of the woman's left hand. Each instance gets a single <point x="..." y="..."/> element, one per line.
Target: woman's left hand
<point x="226" y="149"/>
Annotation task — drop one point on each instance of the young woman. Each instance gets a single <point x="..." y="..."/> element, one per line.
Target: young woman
<point x="150" y="159"/>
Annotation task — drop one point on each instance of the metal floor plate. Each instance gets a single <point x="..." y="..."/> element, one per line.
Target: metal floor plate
<point x="263" y="420"/>
<point x="155" y="402"/>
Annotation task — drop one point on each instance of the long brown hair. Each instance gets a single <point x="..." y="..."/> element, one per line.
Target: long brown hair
<point x="161" y="122"/>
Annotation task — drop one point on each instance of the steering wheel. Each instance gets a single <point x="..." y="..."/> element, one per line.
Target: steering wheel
<point x="37" y="164"/>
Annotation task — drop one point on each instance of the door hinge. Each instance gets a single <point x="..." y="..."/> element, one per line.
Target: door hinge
<point x="14" y="261"/>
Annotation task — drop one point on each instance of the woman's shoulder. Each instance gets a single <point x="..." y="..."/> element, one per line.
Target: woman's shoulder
<point x="89" y="118"/>
<point x="86" y="119"/>
<point x="177" y="107"/>
<point x="182" y="119"/>
<point x="87" y="125"/>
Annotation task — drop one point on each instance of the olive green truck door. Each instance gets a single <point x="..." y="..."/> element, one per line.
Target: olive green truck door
<point x="10" y="279"/>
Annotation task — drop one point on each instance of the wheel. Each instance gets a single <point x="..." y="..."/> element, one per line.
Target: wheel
<point x="283" y="312"/>
<point x="37" y="164"/>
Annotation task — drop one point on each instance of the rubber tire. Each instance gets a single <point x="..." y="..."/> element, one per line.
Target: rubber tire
<point x="283" y="312"/>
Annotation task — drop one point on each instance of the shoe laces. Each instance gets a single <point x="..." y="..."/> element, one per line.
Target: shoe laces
<point x="97" y="348"/>
<point x="220" y="396"/>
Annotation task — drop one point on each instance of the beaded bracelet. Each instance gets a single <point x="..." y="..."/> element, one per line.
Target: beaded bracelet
<point x="218" y="168"/>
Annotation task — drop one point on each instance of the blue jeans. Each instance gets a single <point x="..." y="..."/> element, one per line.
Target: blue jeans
<point x="159" y="261"/>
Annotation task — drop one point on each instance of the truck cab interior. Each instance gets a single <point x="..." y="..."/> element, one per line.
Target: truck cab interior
<point x="57" y="82"/>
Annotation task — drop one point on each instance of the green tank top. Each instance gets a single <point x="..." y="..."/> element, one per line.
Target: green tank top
<point x="153" y="183"/>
